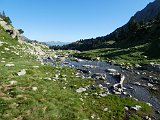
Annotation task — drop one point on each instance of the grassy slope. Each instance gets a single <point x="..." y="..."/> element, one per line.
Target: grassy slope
<point x="51" y="100"/>
<point x="132" y="55"/>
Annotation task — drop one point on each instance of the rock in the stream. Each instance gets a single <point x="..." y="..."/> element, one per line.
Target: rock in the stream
<point x="98" y="58"/>
<point x="66" y="63"/>
<point x="137" y="83"/>
<point x="84" y="71"/>
<point x="148" y="118"/>
<point x="151" y="80"/>
<point x="21" y="73"/>
<point x="137" y="66"/>
<point x="150" y="85"/>
<point x="99" y="76"/>
<point x="158" y="112"/>
<point x="89" y="66"/>
<point x="118" y="87"/>
<point x="111" y="70"/>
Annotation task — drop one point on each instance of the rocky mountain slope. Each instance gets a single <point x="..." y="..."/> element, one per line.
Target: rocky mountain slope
<point x="148" y="13"/>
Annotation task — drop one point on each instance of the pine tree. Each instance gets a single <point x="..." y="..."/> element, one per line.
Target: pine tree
<point x="3" y="14"/>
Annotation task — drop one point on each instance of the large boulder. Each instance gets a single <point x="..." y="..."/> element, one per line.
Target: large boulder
<point x="10" y="30"/>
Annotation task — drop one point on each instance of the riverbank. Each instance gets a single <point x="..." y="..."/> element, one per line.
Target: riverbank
<point x="125" y="56"/>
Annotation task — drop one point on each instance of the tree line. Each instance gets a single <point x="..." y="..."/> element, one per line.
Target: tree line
<point x="134" y="32"/>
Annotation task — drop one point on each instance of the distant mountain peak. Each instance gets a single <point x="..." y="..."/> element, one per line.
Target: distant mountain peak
<point x="56" y="43"/>
<point x="149" y="12"/>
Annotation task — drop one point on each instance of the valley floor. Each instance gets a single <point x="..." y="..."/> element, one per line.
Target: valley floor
<point x="34" y="90"/>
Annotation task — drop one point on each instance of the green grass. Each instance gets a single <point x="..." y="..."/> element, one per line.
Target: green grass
<point x="134" y="117"/>
<point x="53" y="99"/>
<point x="130" y="56"/>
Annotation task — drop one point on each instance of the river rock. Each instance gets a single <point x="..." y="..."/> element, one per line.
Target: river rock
<point x="111" y="70"/>
<point x="137" y="83"/>
<point x="118" y="87"/>
<point x="98" y="58"/>
<point x="148" y="118"/>
<point x="158" y="111"/>
<point x="137" y="66"/>
<point x="84" y="71"/>
<point x="150" y="85"/>
<point x="66" y="63"/>
<point x="99" y="76"/>
<point x="89" y="66"/>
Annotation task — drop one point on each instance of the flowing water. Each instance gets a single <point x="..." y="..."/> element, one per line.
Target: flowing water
<point x="140" y="91"/>
<point x="137" y="83"/>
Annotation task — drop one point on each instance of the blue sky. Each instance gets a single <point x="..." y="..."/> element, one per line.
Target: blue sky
<point x="69" y="20"/>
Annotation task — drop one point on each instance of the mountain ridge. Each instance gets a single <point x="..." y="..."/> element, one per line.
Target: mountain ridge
<point x="148" y="13"/>
<point x="56" y="43"/>
<point x="120" y="34"/>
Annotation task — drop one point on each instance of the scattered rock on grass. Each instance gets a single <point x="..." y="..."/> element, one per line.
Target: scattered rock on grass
<point x="34" y="88"/>
<point x="9" y="65"/>
<point x="126" y="108"/>
<point x="80" y="90"/>
<point x="22" y="72"/>
<point x="35" y="66"/>
<point x="13" y="82"/>
<point x="105" y="109"/>
<point x="6" y="49"/>
<point x="136" y="107"/>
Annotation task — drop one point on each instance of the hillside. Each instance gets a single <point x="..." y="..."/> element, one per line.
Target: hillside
<point x="33" y="89"/>
<point x="136" y="46"/>
<point x="143" y="27"/>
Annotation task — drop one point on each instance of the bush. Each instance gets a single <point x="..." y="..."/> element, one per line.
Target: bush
<point x="154" y="49"/>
